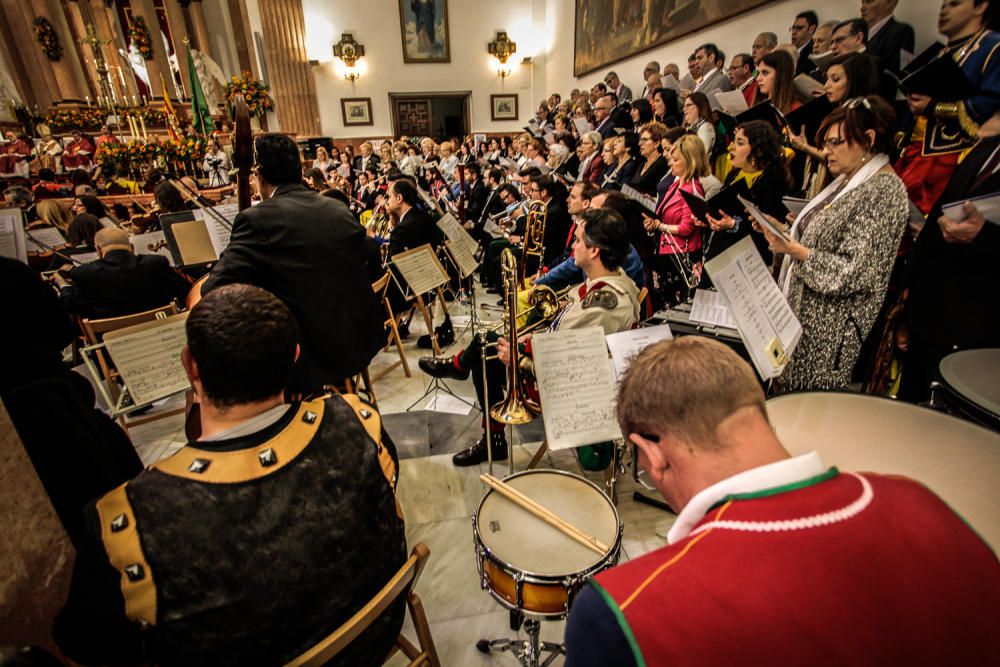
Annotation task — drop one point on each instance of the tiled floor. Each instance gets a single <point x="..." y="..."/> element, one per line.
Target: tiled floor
<point x="439" y="499"/>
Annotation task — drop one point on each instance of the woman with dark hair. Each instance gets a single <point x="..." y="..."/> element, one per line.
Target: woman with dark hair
<point x="89" y="204"/>
<point x="665" y="107"/>
<point x="81" y="231"/>
<point x="653" y="166"/>
<point x="571" y="165"/>
<point x="169" y="199"/>
<point x="775" y="81"/>
<point x="842" y="247"/>
<point x="626" y="156"/>
<point x="153" y="178"/>
<point x="315" y="179"/>
<point x="758" y="159"/>
<point x="642" y="111"/>
<point x="698" y="119"/>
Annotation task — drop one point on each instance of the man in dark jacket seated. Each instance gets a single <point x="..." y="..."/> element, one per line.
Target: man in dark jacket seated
<point x="119" y="282"/>
<point x="253" y="543"/>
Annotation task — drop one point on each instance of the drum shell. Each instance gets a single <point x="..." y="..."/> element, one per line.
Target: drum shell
<point x="547" y="596"/>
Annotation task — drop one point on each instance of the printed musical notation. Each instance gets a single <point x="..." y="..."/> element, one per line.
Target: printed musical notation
<point x="454" y="232"/>
<point x="12" y="235"/>
<point x="465" y="260"/>
<point x="421" y="269"/>
<point x="218" y="232"/>
<point x="44" y="240"/>
<point x="709" y="307"/>
<point x="148" y="357"/>
<point x="577" y="387"/>
<point x="626" y="345"/>
<point x="152" y="243"/>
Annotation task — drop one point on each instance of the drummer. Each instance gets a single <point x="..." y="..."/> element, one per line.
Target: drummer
<point x="776" y="559"/>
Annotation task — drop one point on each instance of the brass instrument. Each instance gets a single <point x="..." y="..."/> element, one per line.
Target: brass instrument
<point x="517" y="407"/>
<point x="533" y="244"/>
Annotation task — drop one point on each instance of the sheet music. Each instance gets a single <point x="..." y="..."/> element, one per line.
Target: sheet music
<point x="456" y="233"/>
<point x="46" y="236"/>
<point x="808" y="87"/>
<point x="762" y="219"/>
<point x="987" y="205"/>
<point x="794" y="204"/>
<point x="508" y="164"/>
<point x="85" y="257"/>
<point x="421" y="269"/>
<point x="732" y="102"/>
<point x="709" y="307"/>
<point x="148" y="356"/>
<point x="766" y="323"/>
<point x="577" y="387"/>
<point x="625" y="345"/>
<point x="465" y="260"/>
<point x="12" y="235"/>
<point x="216" y="230"/>
<point x="143" y="244"/>
<point x="670" y="81"/>
<point x="645" y="201"/>
<point x="582" y="126"/>
<point x="492" y="228"/>
<point x="108" y="223"/>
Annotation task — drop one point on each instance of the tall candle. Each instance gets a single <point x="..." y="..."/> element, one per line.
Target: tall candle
<point x="88" y="101"/>
<point x="142" y="123"/>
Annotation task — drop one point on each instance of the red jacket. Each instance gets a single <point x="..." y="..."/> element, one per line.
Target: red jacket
<point x="594" y="169"/>
<point x="673" y="210"/>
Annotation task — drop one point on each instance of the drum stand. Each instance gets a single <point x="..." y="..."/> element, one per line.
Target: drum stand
<point x="527" y="651"/>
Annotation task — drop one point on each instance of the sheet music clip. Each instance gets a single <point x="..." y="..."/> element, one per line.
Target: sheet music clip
<point x="776" y="353"/>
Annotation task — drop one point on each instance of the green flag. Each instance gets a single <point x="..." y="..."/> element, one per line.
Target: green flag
<point x="201" y="117"/>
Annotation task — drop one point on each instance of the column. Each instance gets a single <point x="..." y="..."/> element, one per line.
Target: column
<point x="178" y="32"/>
<point x="201" y="35"/>
<point x="241" y="36"/>
<point x="106" y="27"/>
<point x="78" y="30"/>
<point x="292" y="83"/>
<point x="14" y="58"/>
<point x="41" y="79"/>
<point x="67" y="82"/>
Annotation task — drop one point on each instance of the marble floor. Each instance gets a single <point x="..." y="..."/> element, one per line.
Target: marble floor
<point x="439" y="499"/>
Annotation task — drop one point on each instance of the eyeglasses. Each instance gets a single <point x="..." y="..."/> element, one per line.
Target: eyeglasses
<point x="833" y="142"/>
<point x="645" y="138"/>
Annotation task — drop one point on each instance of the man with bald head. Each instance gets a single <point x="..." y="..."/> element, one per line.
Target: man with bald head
<point x="774" y="558"/>
<point x="119" y="282"/>
<point x="652" y="67"/>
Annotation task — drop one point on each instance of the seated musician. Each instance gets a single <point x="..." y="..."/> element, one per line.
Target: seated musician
<point x="775" y="559"/>
<point x="514" y="204"/>
<point x="305" y="492"/>
<point x="78" y="153"/>
<point x="120" y="282"/>
<point x="607" y="298"/>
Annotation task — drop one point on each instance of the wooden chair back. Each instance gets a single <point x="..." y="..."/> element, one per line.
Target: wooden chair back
<point x="401" y="584"/>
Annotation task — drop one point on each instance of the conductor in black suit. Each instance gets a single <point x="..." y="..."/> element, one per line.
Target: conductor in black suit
<point x="886" y="36"/>
<point x="953" y="269"/>
<point x="308" y="251"/>
<point x="119" y="282"/>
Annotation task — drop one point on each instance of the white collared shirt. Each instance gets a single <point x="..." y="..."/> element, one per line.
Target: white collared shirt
<point x="878" y="26"/>
<point x="780" y="473"/>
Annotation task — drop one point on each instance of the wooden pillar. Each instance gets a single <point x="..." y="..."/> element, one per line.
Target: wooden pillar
<point x="292" y="83"/>
<point x="13" y="56"/>
<point x="41" y="79"/>
<point x="78" y="30"/>
<point x="178" y="32"/>
<point x="67" y="85"/>
<point x="200" y="29"/>
<point x="241" y="36"/>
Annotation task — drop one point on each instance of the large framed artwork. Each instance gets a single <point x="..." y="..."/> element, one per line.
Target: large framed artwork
<point x="356" y="110"/>
<point x="424" y="27"/>
<point x="642" y="25"/>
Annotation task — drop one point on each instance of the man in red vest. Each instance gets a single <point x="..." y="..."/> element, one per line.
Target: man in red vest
<point x="775" y="559"/>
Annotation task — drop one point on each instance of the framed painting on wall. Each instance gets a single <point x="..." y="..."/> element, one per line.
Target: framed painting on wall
<point x="503" y="107"/>
<point x="357" y="110"/>
<point x="424" y="28"/>
<point x="640" y="26"/>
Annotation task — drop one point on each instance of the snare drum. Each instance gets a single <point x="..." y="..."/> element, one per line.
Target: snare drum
<point x="970" y="385"/>
<point x="526" y="564"/>
<point x="956" y="459"/>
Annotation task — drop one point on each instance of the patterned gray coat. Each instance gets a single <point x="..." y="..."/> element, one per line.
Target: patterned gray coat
<point x="838" y="291"/>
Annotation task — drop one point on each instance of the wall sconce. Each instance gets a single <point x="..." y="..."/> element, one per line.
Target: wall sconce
<point x="502" y="48"/>
<point x="349" y="51"/>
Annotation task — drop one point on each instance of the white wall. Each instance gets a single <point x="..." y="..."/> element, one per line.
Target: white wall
<point x="732" y="36"/>
<point x="472" y="25"/>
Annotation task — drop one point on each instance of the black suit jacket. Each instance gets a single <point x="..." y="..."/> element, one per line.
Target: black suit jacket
<point x="121" y="283"/>
<point x="889" y="41"/>
<point x="308" y="251"/>
<point x="557" y="224"/>
<point x="607" y="128"/>
<point x="414" y="230"/>
<point x="493" y="205"/>
<point x="952" y="285"/>
<point x="475" y="200"/>
<point x="804" y="64"/>
<point x="372" y="162"/>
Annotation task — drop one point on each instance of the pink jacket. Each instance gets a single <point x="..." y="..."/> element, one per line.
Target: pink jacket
<point x="673" y="210"/>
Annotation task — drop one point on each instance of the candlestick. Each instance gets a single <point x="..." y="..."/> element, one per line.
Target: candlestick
<point x="142" y="123"/>
<point x="88" y="101"/>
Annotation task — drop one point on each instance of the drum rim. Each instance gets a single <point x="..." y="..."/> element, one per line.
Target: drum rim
<point x="967" y="403"/>
<point x="534" y="577"/>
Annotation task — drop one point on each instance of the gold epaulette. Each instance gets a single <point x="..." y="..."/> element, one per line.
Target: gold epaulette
<point x="121" y="542"/>
<point x="372" y="422"/>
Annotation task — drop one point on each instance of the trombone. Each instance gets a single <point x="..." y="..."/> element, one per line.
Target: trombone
<point x="533" y="244"/>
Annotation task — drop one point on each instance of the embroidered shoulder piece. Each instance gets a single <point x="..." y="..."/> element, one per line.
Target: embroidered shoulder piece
<point x="601" y="298"/>
<point x="121" y="542"/>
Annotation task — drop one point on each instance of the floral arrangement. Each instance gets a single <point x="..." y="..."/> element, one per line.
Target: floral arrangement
<point x="138" y="34"/>
<point x="152" y="117"/>
<point x="183" y="150"/>
<point x="111" y="154"/>
<point x="48" y="38"/>
<point x="254" y="92"/>
<point x="76" y="119"/>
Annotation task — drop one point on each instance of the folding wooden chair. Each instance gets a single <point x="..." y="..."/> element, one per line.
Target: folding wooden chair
<point x="93" y="334"/>
<point x="402" y="584"/>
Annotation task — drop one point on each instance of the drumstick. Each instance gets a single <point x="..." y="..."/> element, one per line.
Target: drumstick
<point x="545" y="515"/>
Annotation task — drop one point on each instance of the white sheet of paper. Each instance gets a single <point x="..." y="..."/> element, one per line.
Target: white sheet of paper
<point x="12" y="235"/>
<point x="762" y="219"/>
<point x="808" y="87"/>
<point x="465" y="260"/>
<point x="645" y="201"/>
<point x="794" y="204"/>
<point x="218" y="232"/>
<point x="108" y="223"/>
<point x="577" y="387"/>
<point x="709" y="307"/>
<point x="421" y="270"/>
<point x="443" y="402"/>
<point x="582" y="126"/>
<point x="456" y="233"/>
<point x="143" y="244"/>
<point x="988" y="205"/>
<point x="47" y="236"/>
<point x="670" y="81"/>
<point x="732" y="101"/>
<point x="766" y="323"/>
<point x="85" y="257"/>
<point x="148" y="356"/>
<point x="625" y="345"/>
<point x="492" y="228"/>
